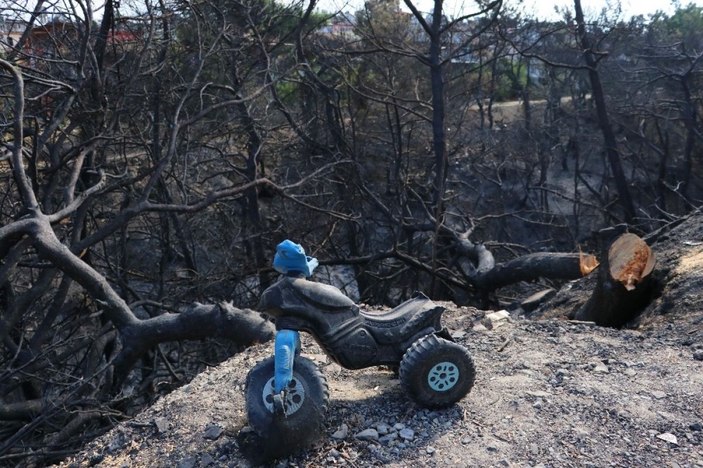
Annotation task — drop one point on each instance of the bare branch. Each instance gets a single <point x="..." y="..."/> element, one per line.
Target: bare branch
<point x="23" y="182"/>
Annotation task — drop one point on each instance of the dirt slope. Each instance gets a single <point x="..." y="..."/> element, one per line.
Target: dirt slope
<point x="547" y="393"/>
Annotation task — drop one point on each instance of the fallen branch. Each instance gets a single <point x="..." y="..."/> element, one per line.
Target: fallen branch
<point x="223" y="320"/>
<point x="484" y="274"/>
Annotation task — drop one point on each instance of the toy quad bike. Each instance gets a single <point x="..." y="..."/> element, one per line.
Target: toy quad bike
<point x="287" y="394"/>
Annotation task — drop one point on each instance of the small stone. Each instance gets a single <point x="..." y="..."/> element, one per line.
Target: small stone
<point x="341" y="433"/>
<point x="367" y="434"/>
<point x="116" y="443"/>
<point x="630" y="372"/>
<point x="698" y="355"/>
<point x="399" y="426"/>
<point x="430" y="450"/>
<point x="498" y="316"/>
<point x="495" y="319"/>
<point x="668" y="437"/>
<point x="206" y="460"/>
<point x="334" y="453"/>
<point x="601" y="368"/>
<point x="696" y="427"/>
<point x="96" y="458"/>
<point x="213" y="432"/>
<point x="658" y="394"/>
<point x="382" y="457"/>
<point x="407" y="434"/>
<point x="466" y="440"/>
<point x="480" y="327"/>
<point x="388" y="438"/>
<point x="188" y="462"/>
<point x="383" y="428"/>
<point x="161" y="424"/>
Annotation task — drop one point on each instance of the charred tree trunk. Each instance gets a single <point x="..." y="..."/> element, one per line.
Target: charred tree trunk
<point x="589" y="55"/>
<point x="483" y="273"/>
<point x="550" y="265"/>
<point x="624" y="282"/>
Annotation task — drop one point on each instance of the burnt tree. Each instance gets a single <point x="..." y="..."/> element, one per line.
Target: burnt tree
<point x="624" y="282"/>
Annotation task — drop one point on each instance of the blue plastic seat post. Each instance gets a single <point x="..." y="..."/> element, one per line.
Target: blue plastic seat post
<point x="285" y="348"/>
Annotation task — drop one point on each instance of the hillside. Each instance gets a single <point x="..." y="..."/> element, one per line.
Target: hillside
<point x="548" y="393"/>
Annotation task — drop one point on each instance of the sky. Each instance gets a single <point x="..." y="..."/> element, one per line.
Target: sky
<point x="545" y="8"/>
<point x="542" y="9"/>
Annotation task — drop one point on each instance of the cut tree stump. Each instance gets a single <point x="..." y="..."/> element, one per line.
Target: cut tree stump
<point x="624" y="283"/>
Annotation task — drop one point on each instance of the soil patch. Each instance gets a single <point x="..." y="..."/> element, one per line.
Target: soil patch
<point x="547" y="393"/>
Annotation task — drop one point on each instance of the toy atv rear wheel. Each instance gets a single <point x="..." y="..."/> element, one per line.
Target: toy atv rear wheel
<point x="437" y="372"/>
<point x="304" y="405"/>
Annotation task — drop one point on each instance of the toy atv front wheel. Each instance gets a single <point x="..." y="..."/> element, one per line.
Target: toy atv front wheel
<point x="299" y="423"/>
<point x="437" y="372"/>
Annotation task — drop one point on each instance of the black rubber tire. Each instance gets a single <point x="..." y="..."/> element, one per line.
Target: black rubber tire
<point x="284" y="435"/>
<point x="437" y="372"/>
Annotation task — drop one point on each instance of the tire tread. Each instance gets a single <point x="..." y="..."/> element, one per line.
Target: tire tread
<point x="416" y="357"/>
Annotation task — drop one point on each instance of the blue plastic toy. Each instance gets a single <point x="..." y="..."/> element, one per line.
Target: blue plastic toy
<point x="290" y="259"/>
<point x="287" y="395"/>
